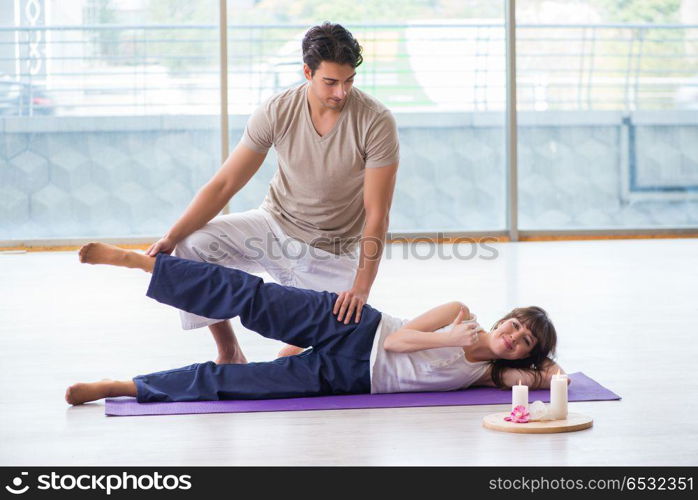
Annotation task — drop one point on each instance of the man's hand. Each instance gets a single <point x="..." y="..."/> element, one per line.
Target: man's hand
<point x="163" y="245"/>
<point x="348" y="302"/>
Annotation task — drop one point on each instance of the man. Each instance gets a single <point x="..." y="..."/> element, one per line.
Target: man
<point x="337" y="154"/>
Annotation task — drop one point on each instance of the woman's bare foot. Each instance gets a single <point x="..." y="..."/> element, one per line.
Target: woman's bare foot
<point x="80" y="393"/>
<point x="101" y="253"/>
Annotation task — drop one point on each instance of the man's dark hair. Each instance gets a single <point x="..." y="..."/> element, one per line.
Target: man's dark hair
<point x="332" y="43"/>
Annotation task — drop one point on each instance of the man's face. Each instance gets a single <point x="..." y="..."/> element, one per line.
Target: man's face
<point x="331" y="83"/>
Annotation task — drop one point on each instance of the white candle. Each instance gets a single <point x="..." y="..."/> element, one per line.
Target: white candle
<point x="558" y="396"/>
<point x="519" y="396"/>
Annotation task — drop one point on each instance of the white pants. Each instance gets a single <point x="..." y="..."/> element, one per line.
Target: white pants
<point x="254" y="242"/>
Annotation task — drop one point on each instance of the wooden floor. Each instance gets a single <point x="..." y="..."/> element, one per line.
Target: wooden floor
<point x="626" y="313"/>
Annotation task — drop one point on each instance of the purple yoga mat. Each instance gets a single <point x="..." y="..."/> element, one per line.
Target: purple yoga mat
<point x="582" y="388"/>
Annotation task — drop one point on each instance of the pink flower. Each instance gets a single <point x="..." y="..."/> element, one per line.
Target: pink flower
<point x="519" y="415"/>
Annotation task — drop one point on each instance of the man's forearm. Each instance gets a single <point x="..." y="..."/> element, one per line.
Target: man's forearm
<point x="235" y="172"/>
<point x="207" y="203"/>
<point x="371" y="250"/>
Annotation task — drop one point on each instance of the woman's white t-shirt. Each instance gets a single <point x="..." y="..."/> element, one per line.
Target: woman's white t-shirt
<point x="439" y="369"/>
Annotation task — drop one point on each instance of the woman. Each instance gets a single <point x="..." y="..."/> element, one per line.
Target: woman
<point x="441" y="350"/>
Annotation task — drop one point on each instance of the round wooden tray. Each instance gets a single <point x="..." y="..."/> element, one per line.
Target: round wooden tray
<point x="573" y="422"/>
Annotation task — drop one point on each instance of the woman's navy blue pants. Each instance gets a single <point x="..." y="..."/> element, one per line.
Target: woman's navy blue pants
<point x="337" y="364"/>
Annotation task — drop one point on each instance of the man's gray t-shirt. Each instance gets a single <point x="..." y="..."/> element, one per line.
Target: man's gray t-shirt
<point x="316" y="194"/>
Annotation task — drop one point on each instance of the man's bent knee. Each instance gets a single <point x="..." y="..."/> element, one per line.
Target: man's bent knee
<point x="201" y="245"/>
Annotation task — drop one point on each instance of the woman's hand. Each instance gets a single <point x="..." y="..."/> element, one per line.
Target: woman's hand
<point x="163" y="245"/>
<point x="464" y="334"/>
<point x="550" y="368"/>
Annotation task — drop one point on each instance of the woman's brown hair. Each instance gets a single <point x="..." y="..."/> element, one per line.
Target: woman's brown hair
<point x="536" y="320"/>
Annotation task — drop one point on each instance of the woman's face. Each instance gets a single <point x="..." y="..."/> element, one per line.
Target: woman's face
<point x="512" y="340"/>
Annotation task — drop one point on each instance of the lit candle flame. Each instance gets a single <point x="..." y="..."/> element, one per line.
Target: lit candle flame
<point x="519" y="381"/>
<point x="558" y="372"/>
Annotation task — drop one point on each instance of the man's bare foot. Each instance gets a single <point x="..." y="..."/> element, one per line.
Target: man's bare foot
<point x="229" y="350"/>
<point x="227" y="359"/>
<point x="289" y="350"/>
<point x="101" y="253"/>
<point x="80" y="393"/>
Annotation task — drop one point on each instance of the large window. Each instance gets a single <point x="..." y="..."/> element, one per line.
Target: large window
<point x="608" y="114"/>
<point x="440" y="68"/>
<point x="109" y="115"/>
<point x="110" y="109"/>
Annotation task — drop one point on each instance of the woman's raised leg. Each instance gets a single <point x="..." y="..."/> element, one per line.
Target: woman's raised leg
<point x="229" y="350"/>
<point x="296" y="316"/>
<point x="101" y="253"/>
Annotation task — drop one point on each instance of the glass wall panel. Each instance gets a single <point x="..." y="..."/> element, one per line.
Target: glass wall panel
<point x="608" y="114"/>
<point x="438" y="65"/>
<point x="109" y="112"/>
